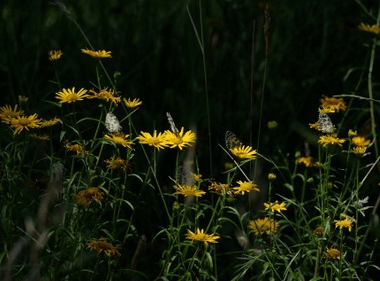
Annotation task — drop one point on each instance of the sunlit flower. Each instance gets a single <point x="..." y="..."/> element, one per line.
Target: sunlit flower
<point x="360" y="141"/>
<point x="332" y="253"/>
<point x="55" y="55"/>
<point x="244" y="152"/>
<point x="118" y="163"/>
<point x="119" y="138"/>
<point x="89" y="195"/>
<point x="104" y="94"/>
<point x="7" y="113"/>
<point x="359" y="150"/>
<point x="179" y="139"/>
<point x="97" y="54"/>
<point x="308" y="162"/>
<point x="157" y="141"/>
<point x="352" y="133"/>
<point x="40" y="137"/>
<point x="187" y="190"/>
<point x="201" y="236"/>
<point x="369" y="28"/>
<point x="101" y="246"/>
<point x="132" y="103"/>
<point x="265" y="225"/>
<point x="272" y="176"/>
<point x="74" y="147"/>
<point x="51" y="122"/>
<point x="246" y="186"/>
<point x="221" y="188"/>
<point x="330" y="139"/>
<point x="314" y="126"/>
<point x="333" y="104"/>
<point x="197" y="177"/>
<point x="22" y="98"/>
<point x="272" y="124"/>
<point x="69" y="95"/>
<point x="275" y="206"/>
<point x="25" y="122"/>
<point x="347" y="222"/>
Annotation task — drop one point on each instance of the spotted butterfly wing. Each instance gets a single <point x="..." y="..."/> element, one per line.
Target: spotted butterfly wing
<point x="112" y="123"/>
<point x="232" y="140"/>
<point x="173" y="128"/>
<point x="325" y="125"/>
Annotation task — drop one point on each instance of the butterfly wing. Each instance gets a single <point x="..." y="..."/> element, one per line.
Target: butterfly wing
<point x="232" y="140"/>
<point x="325" y="124"/>
<point x="112" y="123"/>
<point x="173" y="128"/>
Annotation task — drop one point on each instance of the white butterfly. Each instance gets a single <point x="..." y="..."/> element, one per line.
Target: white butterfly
<point x="325" y="125"/>
<point x="112" y="123"/>
<point x="232" y="140"/>
<point x="173" y="128"/>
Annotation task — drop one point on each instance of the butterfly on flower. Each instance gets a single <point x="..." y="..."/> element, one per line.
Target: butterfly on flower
<point x="325" y="125"/>
<point x="173" y="128"/>
<point x="112" y="123"/>
<point x="232" y="140"/>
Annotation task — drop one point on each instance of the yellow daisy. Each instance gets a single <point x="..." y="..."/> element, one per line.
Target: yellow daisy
<point x="332" y="253"/>
<point x="272" y="176"/>
<point x="360" y="141"/>
<point x="40" y="137"/>
<point x="7" y="113"/>
<point x="244" y="152"/>
<point x="179" y="139"/>
<point x="51" y="122"/>
<point x="89" y="195"/>
<point x="132" y="103"/>
<point x="330" y="105"/>
<point x="352" y="133"/>
<point x="74" y="147"/>
<point x="55" y="55"/>
<point x="201" y="236"/>
<point x="330" y="139"/>
<point x="359" y="150"/>
<point x="369" y="28"/>
<point x="187" y="190"/>
<point x="97" y="54"/>
<point x="119" y="138"/>
<point x="275" y="206"/>
<point x="118" y="163"/>
<point x="221" y="188"/>
<point x="347" y="222"/>
<point x="69" y="95"/>
<point x="104" y="94"/>
<point x="265" y="225"/>
<point x="158" y="141"/>
<point x="246" y="186"/>
<point x="101" y="246"/>
<point x="25" y="122"/>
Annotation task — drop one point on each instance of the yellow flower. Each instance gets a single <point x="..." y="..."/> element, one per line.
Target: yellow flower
<point x="55" y="55"/>
<point x="106" y="95"/>
<point x="97" y="54"/>
<point x="7" y="113"/>
<point x="330" y="105"/>
<point x="119" y="138"/>
<point x="132" y="103"/>
<point x="118" y="163"/>
<point x="369" y="28"/>
<point x="158" y="141"/>
<point x="103" y="247"/>
<point x="244" y="187"/>
<point x="272" y="124"/>
<point x="89" y="195"/>
<point x="314" y="126"/>
<point x="307" y="161"/>
<point x="272" y="176"/>
<point x="197" y="177"/>
<point x="359" y="150"/>
<point x="275" y="206"/>
<point x="221" y="188"/>
<point x="347" y="222"/>
<point x="330" y="139"/>
<point x="332" y="253"/>
<point x="265" y="225"/>
<point x="360" y="141"/>
<point x="179" y="139"/>
<point x="40" y="137"/>
<point x="69" y="95"/>
<point x="201" y="237"/>
<point x="51" y="122"/>
<point x="23" y="122"/>
<point x="318" y="230"/>
<point x="22" y="98"/>
<point x="244" y="152"/>
<point x="352" y="133"/>
<point x="187" y="190"/>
